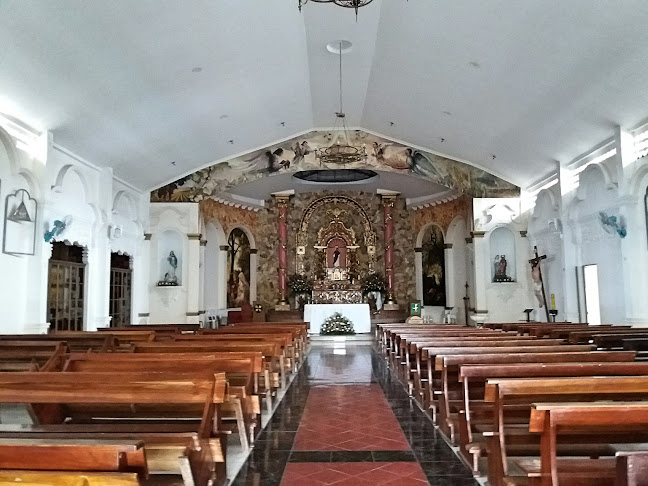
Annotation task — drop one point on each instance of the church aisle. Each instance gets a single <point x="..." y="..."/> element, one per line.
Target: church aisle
<point x="345" y="420"/>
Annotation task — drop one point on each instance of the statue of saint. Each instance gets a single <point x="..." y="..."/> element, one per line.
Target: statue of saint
<point x="173" y="262"/>
<point x="336" y="257"/>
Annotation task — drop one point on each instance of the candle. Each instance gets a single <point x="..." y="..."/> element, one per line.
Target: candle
<point x="553" y="301"/>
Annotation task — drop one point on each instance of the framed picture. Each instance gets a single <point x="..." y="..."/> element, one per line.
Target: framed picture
<point x="21" y="211"/>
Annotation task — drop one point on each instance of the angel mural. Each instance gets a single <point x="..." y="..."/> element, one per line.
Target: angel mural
<point x="299" y="153"/>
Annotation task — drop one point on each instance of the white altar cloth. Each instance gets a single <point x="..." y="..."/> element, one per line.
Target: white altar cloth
<point x="358" y="314"/>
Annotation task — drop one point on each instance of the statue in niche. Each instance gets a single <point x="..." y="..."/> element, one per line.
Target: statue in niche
<point x="170" y="277"/>
<point x="501" y="272"/>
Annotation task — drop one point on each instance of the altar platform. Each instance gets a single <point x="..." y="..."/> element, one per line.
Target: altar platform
<point x="358" y="314"/>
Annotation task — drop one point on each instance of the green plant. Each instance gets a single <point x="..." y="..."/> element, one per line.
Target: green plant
<point x="374" y="283"/>
<point x="299" y="284"/>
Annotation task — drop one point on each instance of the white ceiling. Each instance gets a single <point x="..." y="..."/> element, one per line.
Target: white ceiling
<point x="114" y="82"/>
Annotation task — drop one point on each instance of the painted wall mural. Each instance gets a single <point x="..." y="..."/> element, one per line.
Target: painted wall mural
<point x="443" y="214"/>
<point x="433" y="267"/>
<point x="299" y="154"/>
<point x="238" y="268"/>
<point x="228" y="216"/>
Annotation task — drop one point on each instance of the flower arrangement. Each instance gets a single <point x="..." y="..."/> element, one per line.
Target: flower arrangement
<point x="337" y="324"/>
<point x="299" y="284"/>
<point x="374" y="283"/>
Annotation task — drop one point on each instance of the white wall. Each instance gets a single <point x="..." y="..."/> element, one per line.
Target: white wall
<point x="65" y="187"/>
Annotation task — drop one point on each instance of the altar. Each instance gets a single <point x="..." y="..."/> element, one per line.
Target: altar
<point x="358" y="314"/>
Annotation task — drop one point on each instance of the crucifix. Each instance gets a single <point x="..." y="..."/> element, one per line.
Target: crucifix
<point x="535" y="264"/>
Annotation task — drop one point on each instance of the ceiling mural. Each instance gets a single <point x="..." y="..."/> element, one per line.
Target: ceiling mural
<point x="299" y="154"/>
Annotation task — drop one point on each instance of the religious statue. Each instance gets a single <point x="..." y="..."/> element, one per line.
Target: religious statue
<point x="170" y="277"/>
<point x="501" y="273"/>
<point x="336" y="257"/>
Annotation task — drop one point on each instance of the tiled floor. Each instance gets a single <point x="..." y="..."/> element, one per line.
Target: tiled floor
<point x="346" y="420"/>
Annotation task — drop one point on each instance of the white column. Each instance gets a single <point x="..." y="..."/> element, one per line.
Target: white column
<point x="36" y="292"/>
<point x="482" y="276"/>
<point x="192" y="278"/>
<point x="201" y="303"/>
<point x="141" y="282"/>
<point x="418" y="268"/>
<point x="222" y="278"/>
<point x="450" y="285"/>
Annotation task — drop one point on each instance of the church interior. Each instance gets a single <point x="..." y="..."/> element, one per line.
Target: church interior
<point x="324" y="242"/>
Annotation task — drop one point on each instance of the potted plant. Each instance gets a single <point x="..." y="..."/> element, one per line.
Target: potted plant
<point x="373" y="287"/>
<point x="301" y="288"/>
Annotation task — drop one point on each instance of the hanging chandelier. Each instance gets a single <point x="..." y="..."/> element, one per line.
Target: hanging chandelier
<point x="354" y="4"/>
<point x="341" y="151"/>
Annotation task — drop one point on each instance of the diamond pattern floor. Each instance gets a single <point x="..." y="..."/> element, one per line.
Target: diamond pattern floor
<point x="349" y="418"/>
<point x="354" y="474"/>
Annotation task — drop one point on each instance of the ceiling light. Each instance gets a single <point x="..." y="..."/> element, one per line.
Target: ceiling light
<point x="196" y="70"/>
<point x="354" y="4"/>
<point x="474" y="64"/>
<point x="340" y="151"/>
<point x="447" y="113"/>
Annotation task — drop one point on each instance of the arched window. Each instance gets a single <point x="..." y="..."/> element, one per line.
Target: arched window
<point x="238" y="268"/>
<point x="433" y="265"/>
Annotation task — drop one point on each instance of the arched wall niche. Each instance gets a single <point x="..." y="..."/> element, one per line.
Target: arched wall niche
<point x="502" y="255"/>
<point x="431" y="241"/>
<point x="239" y="267"/>
<point x="170" y="253"/>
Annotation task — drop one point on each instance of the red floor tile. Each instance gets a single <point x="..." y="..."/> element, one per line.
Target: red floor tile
<point x="349" y="418"/>
<point x="354" y="473"/>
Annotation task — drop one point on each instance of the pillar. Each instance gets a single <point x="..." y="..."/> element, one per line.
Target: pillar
<point x="388" y="206"/>
<point x="282" y="254"/>
<point x="450" y="285"/>
<point x="482" y="276"/>
<point x="141" y="282"/>
<point x="191" y="277"/>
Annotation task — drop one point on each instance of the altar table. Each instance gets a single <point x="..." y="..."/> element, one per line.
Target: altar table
<point x="358" y="314"/>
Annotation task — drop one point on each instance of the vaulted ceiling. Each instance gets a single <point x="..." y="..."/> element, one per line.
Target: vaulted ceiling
<point x="529" y="81"/>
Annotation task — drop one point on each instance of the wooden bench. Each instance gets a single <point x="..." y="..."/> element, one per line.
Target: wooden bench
<point x="429" y="354"/>
<point x="475" y="416"/>
<point x="273" y="355"/>
<point x="175" y="415"/>
<point x="241" y="405"/>
<point x="502" y="393"/>
<point x="602" y="423"/>
<point x="30" y="355"/>
<point x="83" y="342"/>
<point x="52" y="462"/>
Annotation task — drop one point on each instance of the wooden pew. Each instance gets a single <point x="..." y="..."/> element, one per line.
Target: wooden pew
<point x="284" y="339"/>
<point x="413" y="368"/>
<point x="30" y="355"/>
<point x="631" y="464"/>
<point x="78" y="342"/>
<point x="585" y="336"/>
<point x="428" y="354"/>
<point x="241" y="404"/>
<point x="475" y="416"/>
<point x="524" y="392"/>
<point x="593" y="423"/>
<point x="273" y="355"/>
<point x="182" y="438"/>
<point x="52" y="462"/>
